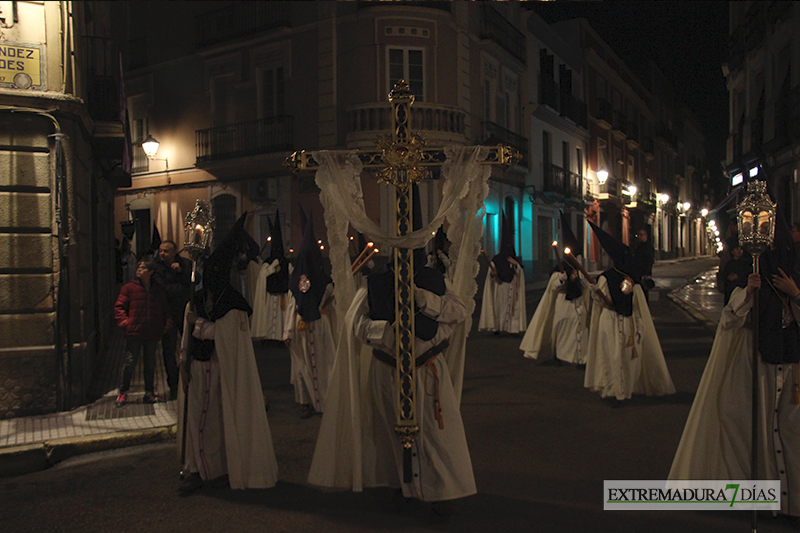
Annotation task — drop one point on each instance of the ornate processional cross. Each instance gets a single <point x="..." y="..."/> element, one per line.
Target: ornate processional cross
<point x="401" y="159"/>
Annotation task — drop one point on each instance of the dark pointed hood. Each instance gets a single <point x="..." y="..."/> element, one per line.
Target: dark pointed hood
<point x="505" y="272"/>
<point x="309" y="279"/>
<point x="276" y="239"/>
<point x="619" y="252"/>
<point x="217" y="275"/>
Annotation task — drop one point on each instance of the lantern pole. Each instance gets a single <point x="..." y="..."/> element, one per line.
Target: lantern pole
<point x="198" y="228"/>
<point x="756" y="234"/>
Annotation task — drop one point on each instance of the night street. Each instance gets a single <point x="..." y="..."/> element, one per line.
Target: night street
<point x="541" y="446"/>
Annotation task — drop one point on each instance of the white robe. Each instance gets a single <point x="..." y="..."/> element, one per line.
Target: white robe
<point x="313" y="350"/>
<point x="559" y="326"/>
<point x="617" y="367"/>
<point x="503" y="305"/>
<point x="717" y="436"/>
<point x="357" y="446"/>
<point x="226" y="401"/>
<point x="269" y="310"/>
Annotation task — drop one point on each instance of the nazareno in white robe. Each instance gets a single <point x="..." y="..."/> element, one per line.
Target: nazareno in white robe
<point x="559" y="326"/>
<point x="717" y="436"/>
<point x="503" y="305"/>
<point x="313" y="351"/>
<point x="615" y="366"/>
<point x="357" y="446"/>
<point x="226" y="401"/>
<point x="245" y="281"/>
<point x="269" y="310"/>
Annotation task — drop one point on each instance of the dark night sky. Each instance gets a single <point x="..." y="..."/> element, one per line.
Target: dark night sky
<point x="687" y="40"/>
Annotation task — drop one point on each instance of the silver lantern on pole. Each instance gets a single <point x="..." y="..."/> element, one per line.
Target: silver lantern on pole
<point x="756" y="235"/>
<point x="198" y="228"/>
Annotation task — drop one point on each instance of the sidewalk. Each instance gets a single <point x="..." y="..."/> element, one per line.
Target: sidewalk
<point x="30" y="444"/>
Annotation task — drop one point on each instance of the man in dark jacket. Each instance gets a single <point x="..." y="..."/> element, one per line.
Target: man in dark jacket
<point x="143" y="314"/>
<point x="174" y="274"/>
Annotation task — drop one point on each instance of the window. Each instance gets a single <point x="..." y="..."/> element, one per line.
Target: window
<point x="565" y="156"/>
<point x="579" y="161"/>
<point x="222" y="110"/>
<point x="631" y="169"/>
<point x="407" y="64"/>
<point x="271" y="87"/>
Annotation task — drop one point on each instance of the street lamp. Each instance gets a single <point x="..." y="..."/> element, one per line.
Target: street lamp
<point x="602" y="176"/>
<point x="150" y="146"/>
<point x="664" y="198"/>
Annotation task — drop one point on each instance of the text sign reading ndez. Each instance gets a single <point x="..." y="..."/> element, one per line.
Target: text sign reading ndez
<point x="20" y="66"/>
<point x="694" y="495"/>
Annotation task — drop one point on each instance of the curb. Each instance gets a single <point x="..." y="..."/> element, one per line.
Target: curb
<point x="29" y="458"/>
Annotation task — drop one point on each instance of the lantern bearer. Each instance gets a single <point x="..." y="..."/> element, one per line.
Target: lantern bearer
<point x="228" y="436"/>
<point x="716" y="441"/>
<point x="624" y="355"/>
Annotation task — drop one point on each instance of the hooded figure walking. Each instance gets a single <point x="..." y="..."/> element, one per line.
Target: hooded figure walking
<point x="624" y="355"/>
<point x="716" y="441"/>
<point x="503" y="304"/>
<point x="309" y="328"/>
<point x="560" y="325"/>
<point x="228" y="440"/>
<point x="357" y="445"/>
<point x="271" y="295"/>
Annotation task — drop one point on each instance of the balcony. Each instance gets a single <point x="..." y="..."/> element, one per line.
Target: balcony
<point x="492" y="133"/>
<point x="548" y="92"/>
<point x="442" y="4"/>
<point x="619" y="121"/>
<point x="241" y="19"/>
<point x="631" y="130"/>
<point x="554" y="179"/>
<point x="495" y="27"/>
<point x="574" y="184"/>
<point x="665" y="134"/>
<point x="244" y="139"/>
<point x="441" y="124"/>
<point x="101" y="65"/>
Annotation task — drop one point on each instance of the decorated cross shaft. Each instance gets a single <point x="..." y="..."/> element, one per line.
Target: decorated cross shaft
<point x="403" y="159"/>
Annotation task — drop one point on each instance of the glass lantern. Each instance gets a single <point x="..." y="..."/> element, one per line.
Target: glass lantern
<point x="198" y="227"/>
<point x="756" y="219"/>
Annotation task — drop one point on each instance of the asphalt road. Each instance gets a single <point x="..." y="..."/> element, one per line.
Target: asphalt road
<point x="541" y="446"/>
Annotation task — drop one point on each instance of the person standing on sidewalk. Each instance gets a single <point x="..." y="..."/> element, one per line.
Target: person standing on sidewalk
<point x="143" y="314"/>
<point x="174" y="273"/>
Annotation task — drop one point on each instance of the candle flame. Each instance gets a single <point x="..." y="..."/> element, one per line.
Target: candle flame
<point x="555" y="243"/>
<point x="370" y="244"/>
<point x="566" y="251"/>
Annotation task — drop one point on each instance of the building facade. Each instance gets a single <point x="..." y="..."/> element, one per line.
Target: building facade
<point x="60" y="142"/>
<point x="763" y="77"/>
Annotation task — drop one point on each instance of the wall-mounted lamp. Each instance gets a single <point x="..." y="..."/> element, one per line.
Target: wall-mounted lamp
<point x="686" y="206"/>
<point x="704" y="212"/>
<point x="664" y="199"/>
<point x="602" y="176"/>
<point x="150" y="147"/>
<point x="631" y="190"/>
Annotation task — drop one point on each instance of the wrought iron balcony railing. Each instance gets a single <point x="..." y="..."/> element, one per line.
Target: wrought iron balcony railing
<point x="495" y="27"/>
<point x="241" y="19"/>
<point x="554" y="179"/>
<point x="254" y="137"/>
